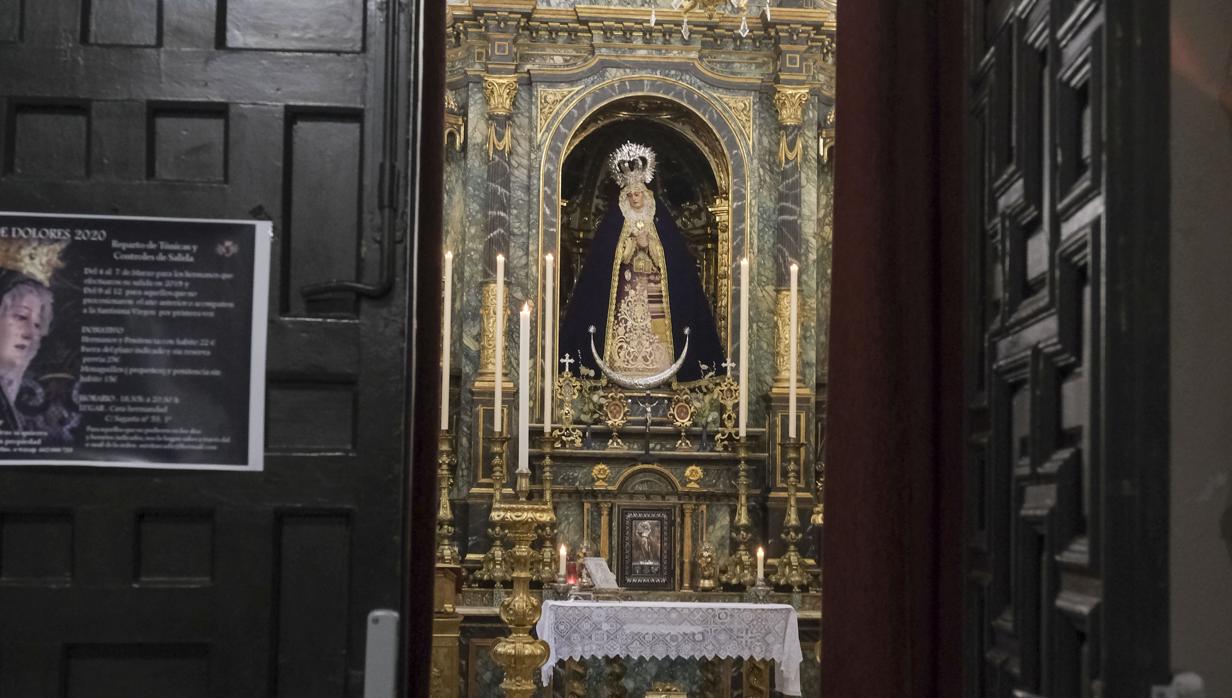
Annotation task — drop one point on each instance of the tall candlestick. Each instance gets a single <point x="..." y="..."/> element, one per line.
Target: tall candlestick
<point x="761" y="564"/>
<point x="744" y="345"/>
<point x="791" y="338"/>
<point x="549" y="341"/>
<point x="446" y="337"/>
<point x="564" y="557"/>
<point x="499" y="358"/>
<point x="524" y="390"/>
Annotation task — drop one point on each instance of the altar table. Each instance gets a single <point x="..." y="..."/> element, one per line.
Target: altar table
<point x="662" y="629"/>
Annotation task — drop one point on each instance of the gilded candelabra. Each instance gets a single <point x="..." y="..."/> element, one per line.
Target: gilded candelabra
<point x="790" y="571"/>
<point x="495" y="566"/>
<point x="741" y="568"/>
<point x="548" y="557"/>
<point x="446" y="548"/>
<point x="519" y="654"/>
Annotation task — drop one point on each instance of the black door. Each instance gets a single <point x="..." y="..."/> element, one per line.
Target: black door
<point x="139" y="583"/>
<point x="1066" y="426"/>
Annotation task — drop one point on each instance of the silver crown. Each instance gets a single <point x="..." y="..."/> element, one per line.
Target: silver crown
<point x="632" y="162"/>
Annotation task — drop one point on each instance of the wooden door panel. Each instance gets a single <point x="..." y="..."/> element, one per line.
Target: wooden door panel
<point x="116" y="583"/>
<point x="1047" y="577"/>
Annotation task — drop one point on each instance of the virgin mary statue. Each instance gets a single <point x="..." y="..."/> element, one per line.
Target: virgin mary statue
<point x="639" y="286"/>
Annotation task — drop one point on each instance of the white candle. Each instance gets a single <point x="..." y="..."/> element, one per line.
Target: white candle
<point x="549" y="337"/>
<point x="564" y="555"/>
<point x="761" y="564"/>
<point x="499" y="358"/>
<point x="791" y="366"/>
<point x="446" y="337"/>
<point x="524" y="390"/>
<point x="744" y="345"/>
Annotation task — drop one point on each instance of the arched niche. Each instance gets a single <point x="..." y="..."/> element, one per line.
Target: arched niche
<point x="690" y="180"/>
<point x="716" y="137"/>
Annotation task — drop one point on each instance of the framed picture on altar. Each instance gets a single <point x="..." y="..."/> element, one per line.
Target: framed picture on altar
<point x="647" y="547"/>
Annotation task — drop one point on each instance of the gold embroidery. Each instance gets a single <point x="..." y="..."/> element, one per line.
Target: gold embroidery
<point x="635" y="341"/>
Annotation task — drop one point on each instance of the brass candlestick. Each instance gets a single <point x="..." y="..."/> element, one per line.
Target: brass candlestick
<point x="519" y="654"/>
<point x="495" y="567"/>
<point x="790" y="571"/>
<point x="446" y="548"/>
<point x="741" y="568"/>
<point x="548" y="557"/>
<point x="819" y="505"/>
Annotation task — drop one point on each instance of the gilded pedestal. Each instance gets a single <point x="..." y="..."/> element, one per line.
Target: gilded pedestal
<point x="519" y="654"/>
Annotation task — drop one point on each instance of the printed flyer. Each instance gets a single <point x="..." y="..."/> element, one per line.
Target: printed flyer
<point x="132" y="342"/>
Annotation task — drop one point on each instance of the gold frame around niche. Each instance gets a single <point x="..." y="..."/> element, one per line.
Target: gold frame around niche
<point x="723" y="176"/>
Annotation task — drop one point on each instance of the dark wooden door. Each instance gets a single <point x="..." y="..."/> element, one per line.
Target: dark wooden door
<point x="1066" y="427"/>
<point x="128" y="583"/>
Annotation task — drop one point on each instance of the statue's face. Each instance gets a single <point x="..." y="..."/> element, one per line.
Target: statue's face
<point x="637" y="199"/>
<point x="21" y="325"/>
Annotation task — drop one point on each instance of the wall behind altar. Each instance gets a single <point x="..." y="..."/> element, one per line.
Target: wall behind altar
<point x="564" y="52"/>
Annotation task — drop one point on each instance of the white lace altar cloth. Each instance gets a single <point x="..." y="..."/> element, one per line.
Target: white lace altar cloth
<point x="661" y="629"/>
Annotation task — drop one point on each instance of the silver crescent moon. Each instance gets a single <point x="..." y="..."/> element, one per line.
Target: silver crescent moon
<point x="639" y="382"/>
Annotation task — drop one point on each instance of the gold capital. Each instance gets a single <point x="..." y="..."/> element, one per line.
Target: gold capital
<point x="790" y="101"/>
<point x="499" y="91"/>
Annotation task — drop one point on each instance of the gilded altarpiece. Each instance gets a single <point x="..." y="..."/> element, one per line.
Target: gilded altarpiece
<point x="588" y="78"/>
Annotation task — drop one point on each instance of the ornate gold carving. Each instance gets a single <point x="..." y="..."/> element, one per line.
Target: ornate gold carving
<point x="519" y="654"/>
<point x="567" y="389"/>
<point x="666" y="689"/>
<point x="499" y="91"/>
<point x="727" y="393"/>
<point x="548" y="103"/>
<point x="756" y="677"/>
<point x="782" y="335"/>
<point x="575" y="679"/>
<point x="601" y="472"/>
<point x="790" y="101"/>
<point x="788" y="153"/>
<point x="682" y="411"/>
<point x="502" y="144"/>
<point x="693" y="475"/>
<point x="455" y="122"/>
<point x="741" y="107"/>
<point x="487" y="328"/>
<point x="615" y="415"/>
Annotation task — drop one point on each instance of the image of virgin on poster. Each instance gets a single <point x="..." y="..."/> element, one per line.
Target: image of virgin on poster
<point x="132" y="342"/>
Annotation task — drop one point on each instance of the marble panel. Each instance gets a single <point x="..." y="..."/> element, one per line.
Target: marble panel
<point x="569" y="523"/>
